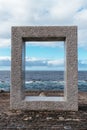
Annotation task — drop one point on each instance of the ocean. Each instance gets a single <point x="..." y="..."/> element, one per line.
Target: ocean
<point x="43" y="80"/>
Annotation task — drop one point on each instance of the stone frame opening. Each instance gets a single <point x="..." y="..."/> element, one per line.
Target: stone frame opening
<point x="37" y="74"/>
<point x="20" y="35"/>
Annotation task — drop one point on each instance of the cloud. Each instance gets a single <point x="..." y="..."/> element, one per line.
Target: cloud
<point x="5" y="61"/>
<point x="5" y="42"/>
<point x="64" y="10"/>
<point x="46" y="44"/>
<point x="81" y="19"/>
<point x="5" y="58"/>
<point x="38" y="62"/>
<point x="42" y="12"/>
<point x="82" y="64"/>
<point x="59" y="62"/>
<point x="44" y="62"/>
<point x="82" y="38"/>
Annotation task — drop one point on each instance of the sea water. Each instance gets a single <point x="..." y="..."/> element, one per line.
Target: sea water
<point x="43" y="80"/>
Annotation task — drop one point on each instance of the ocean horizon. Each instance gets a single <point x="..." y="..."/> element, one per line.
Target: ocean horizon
<point x="43" y="80"/>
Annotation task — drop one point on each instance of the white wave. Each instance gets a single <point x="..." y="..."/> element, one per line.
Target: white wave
<point x="29" y="82"/>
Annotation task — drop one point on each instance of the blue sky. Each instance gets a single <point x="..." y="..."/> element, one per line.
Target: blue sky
<point x="46" y="13"/>
<point x="45" y="55"/>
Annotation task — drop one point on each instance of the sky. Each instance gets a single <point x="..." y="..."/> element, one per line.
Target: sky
<point x="44" y="55"/>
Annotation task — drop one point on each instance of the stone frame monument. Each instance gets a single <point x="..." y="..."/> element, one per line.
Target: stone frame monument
<point x="20" y="35"/>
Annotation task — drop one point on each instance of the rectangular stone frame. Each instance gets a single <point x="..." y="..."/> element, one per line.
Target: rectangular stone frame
<point x="20" y="35"/>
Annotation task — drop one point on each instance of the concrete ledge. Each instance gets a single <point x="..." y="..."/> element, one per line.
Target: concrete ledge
<point x="43" y="98"/>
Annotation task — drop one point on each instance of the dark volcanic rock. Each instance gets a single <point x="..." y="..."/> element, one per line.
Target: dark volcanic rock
<point x="43" y="120"/>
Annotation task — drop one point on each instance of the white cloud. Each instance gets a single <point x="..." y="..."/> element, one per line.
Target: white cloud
<point x="44" y="62"/>
<point x="82" y="38"/>
<point x="64" y="10"/>
<point x="81" y="19"/>
<point x="30" y="59"/>
<point x="33" y="61"/>
<point x="5" y="42"/>
<point x="59" y="62"/>
<point x="47" y="44"/>
<point x="5" y="61"/>
<point x="5" y="58"/>
<point x="83" y="62"/>
<point x="38" y="62"/>
<point x="42" y="12"/>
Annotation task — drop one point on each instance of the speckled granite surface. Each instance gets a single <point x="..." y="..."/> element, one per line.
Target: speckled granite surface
<point x="20" y="35"/>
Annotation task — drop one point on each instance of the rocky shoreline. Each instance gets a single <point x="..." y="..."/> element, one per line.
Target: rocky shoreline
<point x="43" y="120"/>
